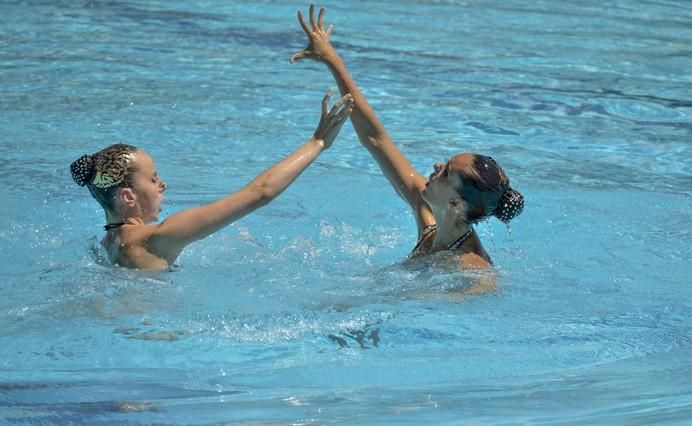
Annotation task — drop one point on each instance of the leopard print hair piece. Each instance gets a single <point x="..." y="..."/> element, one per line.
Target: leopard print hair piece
<point x="106" y="168"/>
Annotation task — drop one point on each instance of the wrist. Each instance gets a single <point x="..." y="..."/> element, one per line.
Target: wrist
<point x="332" y="59"/>
<point x="317" y="142"/>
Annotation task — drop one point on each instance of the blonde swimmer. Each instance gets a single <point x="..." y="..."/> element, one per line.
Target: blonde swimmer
<point x="125" y="182"/>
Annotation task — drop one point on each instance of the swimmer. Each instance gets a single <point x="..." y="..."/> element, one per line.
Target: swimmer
<point x="459" y="193"/>
<point x="124" y="181"/>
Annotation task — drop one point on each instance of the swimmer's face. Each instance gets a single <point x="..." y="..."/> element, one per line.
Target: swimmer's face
<point x="446" y="178"/>
<point x="472" y="179"/>
<point x="148" y="187"/>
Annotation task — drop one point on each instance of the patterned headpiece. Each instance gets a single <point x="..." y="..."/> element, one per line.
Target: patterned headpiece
<point x="511" y="204"/>
<point x="104" y="169"/>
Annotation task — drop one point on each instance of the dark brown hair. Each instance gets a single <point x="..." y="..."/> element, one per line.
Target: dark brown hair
<point x="487" y="192"/>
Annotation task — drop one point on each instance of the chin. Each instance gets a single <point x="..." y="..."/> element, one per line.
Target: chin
<point x="428" y="196"/>
<point x="424" y="193"/>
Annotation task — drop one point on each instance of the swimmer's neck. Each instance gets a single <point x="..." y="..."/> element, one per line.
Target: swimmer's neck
<point x="113" y="217"/>
<point x="449" y="233"/>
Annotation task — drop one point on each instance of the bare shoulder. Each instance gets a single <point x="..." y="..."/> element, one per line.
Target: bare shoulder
<point x="474" y="261"/>
<point x="134" y="251"/>
<point x="136" y="235"/>
<point x="484" y="281"/>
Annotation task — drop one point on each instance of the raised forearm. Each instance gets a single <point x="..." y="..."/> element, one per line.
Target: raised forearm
<point x="278" y="177"/>
<point x="196" y="223"/>
<point x="193" y="224"/>
<point x="371" y="132"/>
<point x="373" y="135"/>
<point x="363" y="117"/>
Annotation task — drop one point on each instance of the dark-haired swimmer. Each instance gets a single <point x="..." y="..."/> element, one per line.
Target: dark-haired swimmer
<point x="459" y="193"/>
<point x="124" y="180"/>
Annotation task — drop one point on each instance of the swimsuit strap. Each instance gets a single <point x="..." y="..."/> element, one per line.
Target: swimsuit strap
<point x="110" y="226"/>
<point x="456" y="244"/>
<point x="423" y="235"/>
<point x="433" y="228"/>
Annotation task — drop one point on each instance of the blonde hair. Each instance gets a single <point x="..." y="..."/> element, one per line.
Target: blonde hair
<point x="105" y="172"/>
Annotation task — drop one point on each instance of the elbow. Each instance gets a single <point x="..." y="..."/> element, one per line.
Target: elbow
<point x="264" y="194"/>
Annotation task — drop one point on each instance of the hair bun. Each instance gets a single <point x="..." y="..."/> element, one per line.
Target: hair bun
<point x="511" y="205"/>
<point x="83" y="170"/>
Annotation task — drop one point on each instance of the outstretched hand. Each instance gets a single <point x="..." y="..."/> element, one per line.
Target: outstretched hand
<point x="318" y="47"/>
<point x="332" y="120"/>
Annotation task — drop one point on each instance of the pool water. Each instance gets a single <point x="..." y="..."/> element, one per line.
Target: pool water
<point x="307" y="312"/>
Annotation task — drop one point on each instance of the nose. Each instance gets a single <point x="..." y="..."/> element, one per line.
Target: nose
<point x="163" y="186"/>
<point x="436" y="170"/>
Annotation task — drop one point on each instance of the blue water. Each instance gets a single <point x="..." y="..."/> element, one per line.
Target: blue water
<point x="306" y="312"/>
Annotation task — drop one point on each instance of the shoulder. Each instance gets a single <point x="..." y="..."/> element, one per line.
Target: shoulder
<point x="136" y="235"/>
<point x="474" y="261"/>
<point x="132" y="248"/>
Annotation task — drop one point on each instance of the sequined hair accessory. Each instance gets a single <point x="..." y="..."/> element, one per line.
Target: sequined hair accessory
<point x="511" y="205"/>
<point x="104" y="169"/>
<point x="82" y="170"/>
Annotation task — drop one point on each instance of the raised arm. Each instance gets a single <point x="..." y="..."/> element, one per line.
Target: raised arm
<point x="193" y="224"/>
<point x="394" y="165"/>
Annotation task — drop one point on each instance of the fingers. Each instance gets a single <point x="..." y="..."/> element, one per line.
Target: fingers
<point x="325" y="103"/>
<point x="349" y="103"/>
<point x="300" y="55"/>
<point x="320" y="19"/>
<point x="317" y="28"/>
<point x="316" y="25"/>
<point x="303" y="23"/>
<point x="338" y="120"/>
<point x="342" y="108"/>
<point x="312" y="17"/>
<point x="331" y="122"/>
<point x="337" y="107"/>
